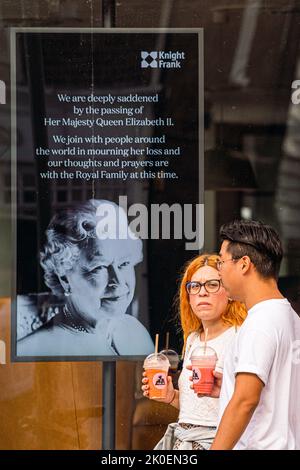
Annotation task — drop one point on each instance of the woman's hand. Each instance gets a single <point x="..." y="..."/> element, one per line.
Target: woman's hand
<point x="215" y="393"/>
<point x="170" y="390"/>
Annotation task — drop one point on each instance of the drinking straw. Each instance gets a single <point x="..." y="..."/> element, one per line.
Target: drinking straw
<point x="167" y="340"/>
<point x="205" y="339"/>
<point x="156" y="344"/>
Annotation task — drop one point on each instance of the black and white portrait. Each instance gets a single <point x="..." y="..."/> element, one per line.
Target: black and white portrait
<point x="91" y="280"/>
<point x="124" y="143"/>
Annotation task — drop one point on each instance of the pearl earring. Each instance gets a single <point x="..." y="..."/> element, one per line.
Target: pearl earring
<point x="68" y="292"/>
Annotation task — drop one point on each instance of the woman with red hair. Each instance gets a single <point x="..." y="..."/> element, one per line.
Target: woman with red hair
<point x="203" y="306"/>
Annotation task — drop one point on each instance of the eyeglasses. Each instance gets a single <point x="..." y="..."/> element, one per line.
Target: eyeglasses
<point x="212" y="286"/>
<point x="220" y="263"/>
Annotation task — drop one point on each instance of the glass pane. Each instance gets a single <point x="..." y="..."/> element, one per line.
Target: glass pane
<point x="252" y="170"/>
<point x="28" y="180"/>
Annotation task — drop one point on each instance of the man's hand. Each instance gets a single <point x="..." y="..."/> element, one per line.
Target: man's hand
<point x="215" y="393"/>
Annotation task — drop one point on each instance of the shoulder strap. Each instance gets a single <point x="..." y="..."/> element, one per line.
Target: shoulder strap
<point x="190" y="341"/>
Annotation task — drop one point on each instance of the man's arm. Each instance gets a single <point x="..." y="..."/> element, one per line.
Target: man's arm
<point x="236" y="417"/>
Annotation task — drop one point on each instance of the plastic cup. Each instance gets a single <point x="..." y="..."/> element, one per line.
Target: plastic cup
<point x="156" y="367"/>
<point x="203" y="364"/>
<point x="173" y="359"/>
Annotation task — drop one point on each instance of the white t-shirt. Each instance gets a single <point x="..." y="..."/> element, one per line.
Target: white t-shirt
<point x="266" y="345"/>
<point x="194" y="410"/>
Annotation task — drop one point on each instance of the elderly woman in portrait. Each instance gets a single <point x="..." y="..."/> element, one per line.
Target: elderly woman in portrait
<point x="92" y="277"/>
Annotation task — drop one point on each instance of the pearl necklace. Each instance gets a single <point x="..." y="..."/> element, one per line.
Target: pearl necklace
<point x="69" y="320"/>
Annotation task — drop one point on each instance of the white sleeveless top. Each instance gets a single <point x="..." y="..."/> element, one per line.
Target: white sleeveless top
<point x="194" y="410"/>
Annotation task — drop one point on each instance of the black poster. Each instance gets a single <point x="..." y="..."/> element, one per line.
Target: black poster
<point x="108" y="178"/>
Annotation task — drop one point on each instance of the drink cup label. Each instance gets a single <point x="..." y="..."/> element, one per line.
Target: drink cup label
<point x="159" y="380"/>
<point x="196" y="375"/>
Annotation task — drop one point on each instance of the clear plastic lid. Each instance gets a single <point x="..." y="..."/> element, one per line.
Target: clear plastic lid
<point x="157" y="360"/>
<point x="204" y="352"/>
<point x="172" y="356"/>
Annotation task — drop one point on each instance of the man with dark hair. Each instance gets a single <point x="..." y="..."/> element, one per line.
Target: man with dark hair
<point x="259" y="406"/>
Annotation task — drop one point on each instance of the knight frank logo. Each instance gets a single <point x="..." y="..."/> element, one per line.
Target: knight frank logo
<point x="162" y="59"/>
<point x="149" y="59"/>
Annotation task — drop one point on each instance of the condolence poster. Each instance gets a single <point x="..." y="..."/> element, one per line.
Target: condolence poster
<point x="107" y="174"/>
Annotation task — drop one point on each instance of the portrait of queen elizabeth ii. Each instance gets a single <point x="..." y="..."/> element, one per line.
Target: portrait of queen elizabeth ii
<point x="92" y="283"/>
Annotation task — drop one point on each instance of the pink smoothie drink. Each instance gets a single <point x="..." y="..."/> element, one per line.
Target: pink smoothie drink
<point x="203" y="364"/>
